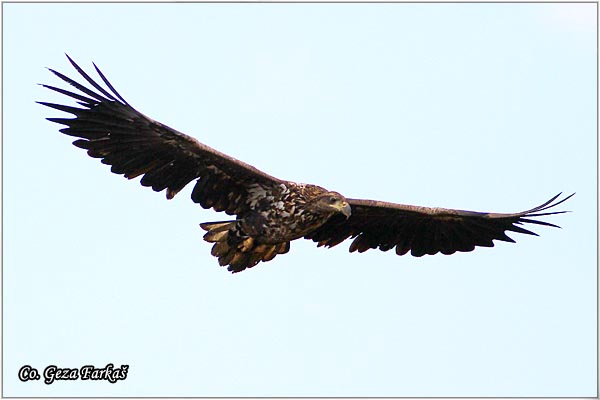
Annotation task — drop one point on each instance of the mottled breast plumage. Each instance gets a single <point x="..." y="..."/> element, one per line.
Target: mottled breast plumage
<point x="281" y="213"/>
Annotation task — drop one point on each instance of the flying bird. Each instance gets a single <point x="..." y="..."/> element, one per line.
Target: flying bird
<point x="270" y="212"/>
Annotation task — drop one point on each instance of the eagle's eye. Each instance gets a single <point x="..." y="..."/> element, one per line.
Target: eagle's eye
<point x="333" y="200"/>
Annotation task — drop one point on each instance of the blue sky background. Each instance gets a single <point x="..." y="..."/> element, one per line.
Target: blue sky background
<point x="486" y="107"/>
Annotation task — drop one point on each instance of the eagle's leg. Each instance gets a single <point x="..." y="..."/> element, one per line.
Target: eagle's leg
<point x="236" y="249"/>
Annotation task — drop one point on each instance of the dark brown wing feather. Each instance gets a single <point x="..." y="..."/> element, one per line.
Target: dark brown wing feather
<point x="136" y="145"/>
<point x="424" y="230"/>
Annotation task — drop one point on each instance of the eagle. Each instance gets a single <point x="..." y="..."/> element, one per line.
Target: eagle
<point x="269" y="212"/>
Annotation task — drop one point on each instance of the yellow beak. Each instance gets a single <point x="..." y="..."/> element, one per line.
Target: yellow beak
<point x="345" y="209"/>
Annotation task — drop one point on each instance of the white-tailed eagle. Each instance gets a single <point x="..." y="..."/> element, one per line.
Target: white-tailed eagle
<point x="270" y="212"/>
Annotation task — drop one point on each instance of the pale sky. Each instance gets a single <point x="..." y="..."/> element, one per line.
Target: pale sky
<point x="485" y="107"/>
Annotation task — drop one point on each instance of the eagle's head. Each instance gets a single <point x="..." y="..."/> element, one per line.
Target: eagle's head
<point x="331" y="203"/>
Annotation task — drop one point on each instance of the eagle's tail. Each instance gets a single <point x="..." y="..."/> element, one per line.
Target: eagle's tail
<point x="232" y="247"/>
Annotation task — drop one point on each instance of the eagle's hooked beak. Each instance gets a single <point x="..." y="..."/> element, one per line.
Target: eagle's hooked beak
<point x="345" y="209"/>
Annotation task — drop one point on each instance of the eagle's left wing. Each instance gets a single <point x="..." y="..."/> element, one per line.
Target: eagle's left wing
<point x="424" y="230"/>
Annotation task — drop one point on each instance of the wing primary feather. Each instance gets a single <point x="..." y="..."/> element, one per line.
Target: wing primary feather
<point x="60" y="107"/>
<point x="90" y="80"/>
<point x="62" y="121"/>
<point x="558" y="203"/>
<point x="88" y="101"/>
<point x="542" y="206"/>
<point x="79" y="86"/>
<point x="109" y="85"/>
<point x="548" y="213"/>
<point x="534" y="221"/>
<point x="549" y="204"/>
<point x="516" y="228"/>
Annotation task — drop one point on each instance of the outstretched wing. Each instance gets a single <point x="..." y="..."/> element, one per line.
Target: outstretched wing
<point x="423" y="230"/>
<point x="110" y="129"/>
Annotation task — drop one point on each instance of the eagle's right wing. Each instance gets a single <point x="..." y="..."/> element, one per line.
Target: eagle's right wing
<point x="136" y="145"/>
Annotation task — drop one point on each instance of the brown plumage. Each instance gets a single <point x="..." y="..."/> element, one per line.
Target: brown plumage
<point x="270" y="212"/>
